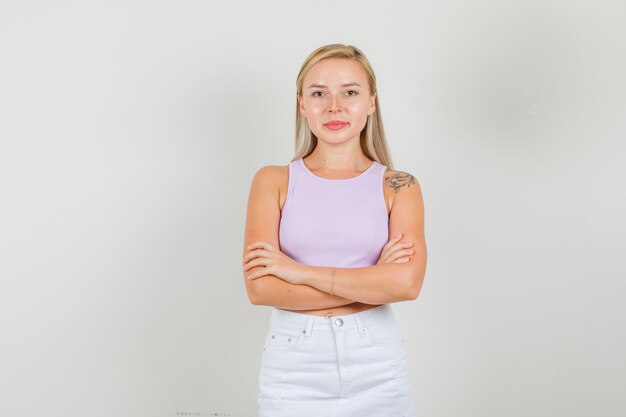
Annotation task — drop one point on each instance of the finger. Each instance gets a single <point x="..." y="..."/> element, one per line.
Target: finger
<point x="249" y="255"/>
<point x="257" y="274"/>
<point x="405" y="252"/>
<point x="258" y="244"/>
<point x="261" y="257"/>
<point x="255" y="254"/>
<point x="401" y="260"/>
<point x="261" y="244"/>
<point x="396" y="255"/>
<point x="253" y="263"/>
<point x="390" y="257"/>
<point x="401" y="245"/>
<point x="394" y="239"/>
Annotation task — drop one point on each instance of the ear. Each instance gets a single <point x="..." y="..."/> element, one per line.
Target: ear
<point x="372" y="107"/>
<point x="301" y="104"/>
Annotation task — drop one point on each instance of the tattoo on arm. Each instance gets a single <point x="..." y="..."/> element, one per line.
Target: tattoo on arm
<point x="399" y="180"/>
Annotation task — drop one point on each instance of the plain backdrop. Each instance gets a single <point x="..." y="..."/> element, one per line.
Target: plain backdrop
<point x="129" y="135"/>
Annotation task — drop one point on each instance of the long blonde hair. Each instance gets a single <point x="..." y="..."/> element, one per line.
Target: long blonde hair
<point x="372" y="139"/>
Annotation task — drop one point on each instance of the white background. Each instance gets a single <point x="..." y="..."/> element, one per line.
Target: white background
<point x="129" y="135"/>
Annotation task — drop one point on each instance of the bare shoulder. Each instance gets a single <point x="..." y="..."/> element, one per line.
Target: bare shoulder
<point x="397" y="183"/>
<point x="399" y="180"/>
<point x="274" y="178"/>
<point x="271" y="174"/>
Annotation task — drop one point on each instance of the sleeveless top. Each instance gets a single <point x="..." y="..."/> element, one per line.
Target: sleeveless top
<point x="334" y="222"/>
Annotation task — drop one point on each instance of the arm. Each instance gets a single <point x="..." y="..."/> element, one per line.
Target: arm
<point x="378" y="284"/>
<point x="386" y="283"/>
<point x="262" y="222"/>
<point x="278" y="293"/>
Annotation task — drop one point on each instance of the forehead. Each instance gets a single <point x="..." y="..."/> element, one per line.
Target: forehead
<point x="335" y="71"/>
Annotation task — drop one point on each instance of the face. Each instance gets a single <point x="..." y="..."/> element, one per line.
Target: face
<point x="336" y="89"/>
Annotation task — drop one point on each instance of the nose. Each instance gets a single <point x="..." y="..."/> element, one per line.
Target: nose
<point x="334" y="103"/>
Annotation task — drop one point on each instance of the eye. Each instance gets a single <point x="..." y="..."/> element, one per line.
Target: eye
<point x="315" y="92"/>
<point x="355" y="93"/>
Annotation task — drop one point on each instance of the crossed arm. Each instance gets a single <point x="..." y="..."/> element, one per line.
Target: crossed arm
<point x="272" y="291"/>
<point x="378" y="284"/>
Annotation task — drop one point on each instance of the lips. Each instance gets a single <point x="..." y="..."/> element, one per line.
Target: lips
<point x="335" y="124"/>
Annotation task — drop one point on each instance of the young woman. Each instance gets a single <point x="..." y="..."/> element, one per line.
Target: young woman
<point x="317" y="249"/>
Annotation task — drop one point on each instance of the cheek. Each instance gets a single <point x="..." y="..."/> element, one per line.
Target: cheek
<point x="317" y="106"/>
<point x="359" y="106"/>
<point x="357" y="111"/>
<point x="315" y="112"/>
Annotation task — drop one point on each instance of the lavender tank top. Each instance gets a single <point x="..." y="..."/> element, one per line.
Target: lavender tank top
<point x="334" y="222"/>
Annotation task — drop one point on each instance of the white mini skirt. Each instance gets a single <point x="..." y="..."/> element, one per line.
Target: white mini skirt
<point x="350" y="365"/>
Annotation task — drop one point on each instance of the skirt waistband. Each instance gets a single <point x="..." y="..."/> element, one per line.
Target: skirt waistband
<point x="291" y="321"/>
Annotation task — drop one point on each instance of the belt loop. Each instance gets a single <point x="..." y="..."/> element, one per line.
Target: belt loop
<point x="359" y="325"/>
<point x="309" y="327"/>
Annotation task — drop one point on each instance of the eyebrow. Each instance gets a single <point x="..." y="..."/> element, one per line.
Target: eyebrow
<point x="342" y="85"/>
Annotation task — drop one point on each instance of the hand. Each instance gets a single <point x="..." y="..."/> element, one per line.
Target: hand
<point x="395" y="252"/>
<point x="275" y="263"/>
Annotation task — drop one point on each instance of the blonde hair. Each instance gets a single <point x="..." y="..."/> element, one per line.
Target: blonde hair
<point x="372" y="139"/>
